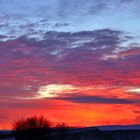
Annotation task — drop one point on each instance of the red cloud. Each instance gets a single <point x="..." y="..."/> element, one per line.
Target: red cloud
<point x="70" y="59"/>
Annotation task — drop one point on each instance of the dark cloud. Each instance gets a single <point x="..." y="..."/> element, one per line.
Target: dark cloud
<point x="65" y="57"/>
<point x="85" y="99"/>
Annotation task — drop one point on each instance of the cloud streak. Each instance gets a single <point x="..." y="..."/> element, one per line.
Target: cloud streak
<point x="97" y="100"/>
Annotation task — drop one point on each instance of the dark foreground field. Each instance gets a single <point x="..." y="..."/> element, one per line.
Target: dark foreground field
<point x="89" y="133"/>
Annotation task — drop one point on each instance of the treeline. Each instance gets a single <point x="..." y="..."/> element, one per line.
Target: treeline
<point x="39" y="128"/>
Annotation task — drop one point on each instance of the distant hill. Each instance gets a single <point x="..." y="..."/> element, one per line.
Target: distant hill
<point x="119" y="127"/>
<point x="102" y="128"/>
<point x="109" y="128"/>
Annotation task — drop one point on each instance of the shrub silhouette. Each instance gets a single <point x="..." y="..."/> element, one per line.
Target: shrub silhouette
<point x="32" y="128"/>
<point x="62" y="130"/>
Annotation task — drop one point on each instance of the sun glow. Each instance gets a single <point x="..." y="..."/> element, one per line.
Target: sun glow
<point x="134" y="90"/>
<point x="53" y="90"/>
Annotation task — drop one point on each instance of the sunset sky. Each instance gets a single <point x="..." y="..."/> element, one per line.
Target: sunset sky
<point x="75" y="61"/>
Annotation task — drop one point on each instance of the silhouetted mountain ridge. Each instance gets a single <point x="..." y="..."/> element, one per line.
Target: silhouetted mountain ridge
<point x="102" y="128"/>
<point x="118" y="127"/>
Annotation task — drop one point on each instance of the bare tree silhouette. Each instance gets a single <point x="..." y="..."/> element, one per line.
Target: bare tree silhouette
<point x="32" y="128"/>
